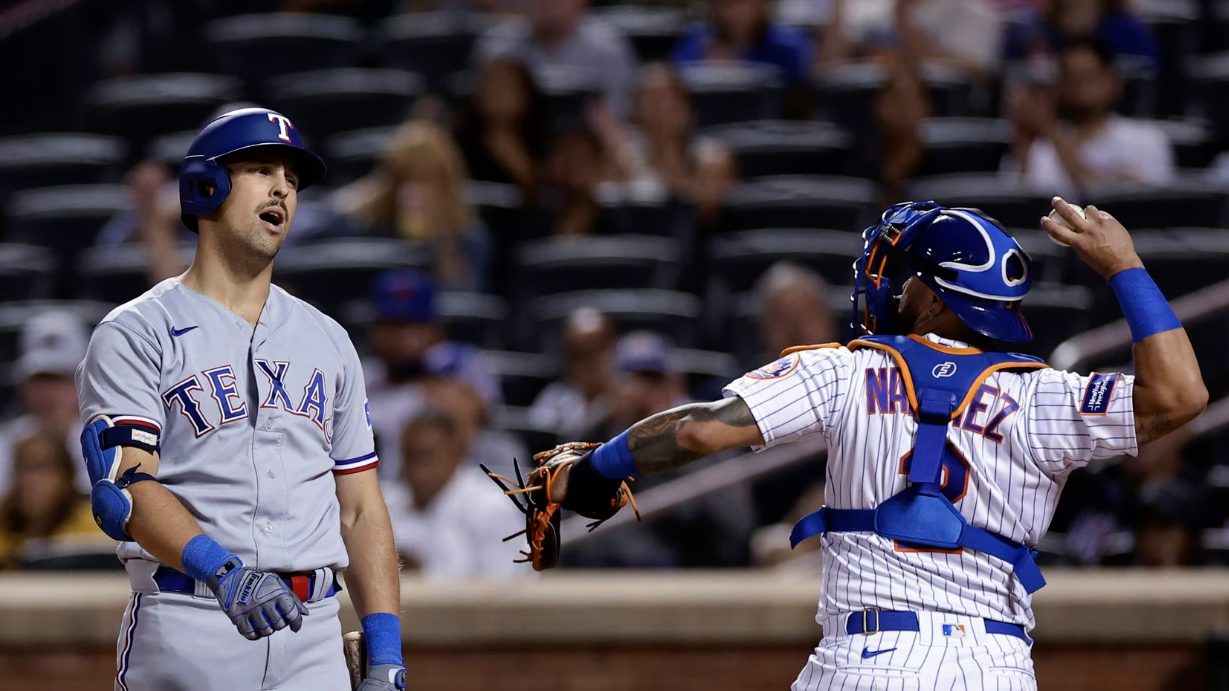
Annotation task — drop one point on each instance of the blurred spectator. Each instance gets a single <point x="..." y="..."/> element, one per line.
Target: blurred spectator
<point x="741" y="31"/>
<point x="562" y="35"/>
<point x="648" y="380"/>
<point x="900" y="108"/>
<point x="42" y="510"/>
<point x="410" y="346"/>
<point x="52" y="345"/>
<point x="417" y="193"/>
<point x="575" y="404"/>
<point x="1041" y="33"/>
<point x="662" y="147"/>
<point x="579" y="161"/>
<point x="504" y="131"/>
<point x="153" y="221"/>
<point x="962" y="34"/>
<point x="793" y="309"/>
<point x="448" y="518"/>
<point x="1071" y="139"/>
<point x="482" y="442"/>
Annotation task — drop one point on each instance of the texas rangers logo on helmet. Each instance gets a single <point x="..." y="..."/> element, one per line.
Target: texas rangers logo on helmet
<point x="283" y="124"/>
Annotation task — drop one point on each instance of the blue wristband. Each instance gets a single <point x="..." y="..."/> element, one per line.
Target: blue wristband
<point x="1144" y="307"/>
<point x="202" y="557"/>
<point x="382" y="631"/>
<point x="613" y="460"/>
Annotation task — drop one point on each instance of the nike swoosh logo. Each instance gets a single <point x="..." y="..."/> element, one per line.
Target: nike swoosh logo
<point x="179" y="332"/>
<point x="868" y="653"/>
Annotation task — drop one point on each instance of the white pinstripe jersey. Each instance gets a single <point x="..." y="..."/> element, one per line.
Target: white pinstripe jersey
<point x="1022" y="435"/>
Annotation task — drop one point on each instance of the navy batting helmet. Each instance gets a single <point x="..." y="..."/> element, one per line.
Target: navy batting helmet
<point x="964" y="256"/>
<point x="203" y="182"/>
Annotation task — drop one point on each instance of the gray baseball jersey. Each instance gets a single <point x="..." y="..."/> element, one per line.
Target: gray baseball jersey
<point x="253" y="422"/>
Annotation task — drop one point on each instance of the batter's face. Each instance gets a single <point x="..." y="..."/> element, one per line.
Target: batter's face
<point x="257" y="213"/>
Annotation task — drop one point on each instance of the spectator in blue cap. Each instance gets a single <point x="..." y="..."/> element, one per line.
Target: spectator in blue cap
<point x="411" y="347"/>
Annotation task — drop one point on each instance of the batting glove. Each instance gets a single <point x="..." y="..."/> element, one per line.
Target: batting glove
<point x="258" y="603"/>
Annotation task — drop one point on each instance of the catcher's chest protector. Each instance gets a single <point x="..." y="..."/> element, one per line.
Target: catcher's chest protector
<point x="940" y="383"/>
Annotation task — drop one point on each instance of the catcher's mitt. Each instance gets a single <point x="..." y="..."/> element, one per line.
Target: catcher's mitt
<point x="588" y="494"/>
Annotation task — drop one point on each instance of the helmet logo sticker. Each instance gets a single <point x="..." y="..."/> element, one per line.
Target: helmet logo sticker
<point x="283" y="122"/>
<point x="943" y="369"/>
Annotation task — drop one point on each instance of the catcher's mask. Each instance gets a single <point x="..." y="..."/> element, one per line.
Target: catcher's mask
<point x="979" y="271"/>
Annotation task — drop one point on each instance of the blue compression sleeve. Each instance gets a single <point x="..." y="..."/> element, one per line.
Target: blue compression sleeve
<point x="202" y="557"/>
<point x="613" y="459"/>
<point x="1144" y="307"/>
<point x="382" y="632"/>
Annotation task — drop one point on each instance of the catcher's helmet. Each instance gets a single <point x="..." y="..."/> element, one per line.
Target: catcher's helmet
<point x="964" y="256"/>
<point x="238" y="130"/>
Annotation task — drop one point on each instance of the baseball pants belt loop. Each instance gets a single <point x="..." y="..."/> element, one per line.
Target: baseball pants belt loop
<point x="874" y="620"/>
<point x="311" y="586"/>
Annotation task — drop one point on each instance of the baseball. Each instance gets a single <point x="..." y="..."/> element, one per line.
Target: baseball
<point x="1059" y="220"/>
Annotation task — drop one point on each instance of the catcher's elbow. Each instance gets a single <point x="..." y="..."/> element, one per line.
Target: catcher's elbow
<point x="701" y="438"/>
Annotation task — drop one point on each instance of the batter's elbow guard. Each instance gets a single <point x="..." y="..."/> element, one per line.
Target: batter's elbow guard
<point x="112" y="507"/>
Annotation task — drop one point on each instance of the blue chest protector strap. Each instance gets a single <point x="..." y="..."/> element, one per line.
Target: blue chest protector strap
<point x="940" y="383"/>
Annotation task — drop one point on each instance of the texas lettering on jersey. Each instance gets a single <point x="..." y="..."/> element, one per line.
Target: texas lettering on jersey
<point x="219" y="382"/>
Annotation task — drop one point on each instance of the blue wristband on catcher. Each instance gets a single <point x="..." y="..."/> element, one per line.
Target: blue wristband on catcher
<point x="203" y="556"/>
<point x="613" y="460"/>
<point x="382" y="631"/>
<point x="1144" y="307"/>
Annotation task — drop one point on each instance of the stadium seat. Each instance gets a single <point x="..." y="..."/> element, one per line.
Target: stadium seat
<point x="644" y="209"/>
<point x="259" y="47"/>
<point x="737" y="260"/>
<point x="1193" y="140"/>
<point x="65" y="220"/>
<point x="27" y="272"/>
<point x="846" y="93"/>
<point x="560" y="265"/>
<point x="516" y="420"/>
<point x="170" y="149"/>
<point x="706" y="371"/>
<point x="728" y="93"/>
<point x="964" y="145"/>
<point x="59" y="158"/>
<point x="1209" y="88"/>
<point x="331" y="273"/>
<point x="145" y="106"/>
<point x="653" y="31"/>
<point x="435" y="45"/>
<point x="351" y="155"/>
<point x="1191" y="201"/>
<point x="569" y="93"/>
<point x="474" y="318"/>
<point x="673" y="314"/>
<point x="1175" y="24"/>
<point x="117" y="274"/>
<point x="323" y="103"/>
<point x="1139" y="86"/>
<point x="1000" y="196"/>
<point x="774" y="147"/>
<point x="800" y="201"/>
<point x="1055" y="312"/>
<point x="522" y="376"/>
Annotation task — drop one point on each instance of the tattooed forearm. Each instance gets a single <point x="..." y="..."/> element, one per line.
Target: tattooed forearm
<point x="688" y="433"/>
<point x="1153" y="428"/>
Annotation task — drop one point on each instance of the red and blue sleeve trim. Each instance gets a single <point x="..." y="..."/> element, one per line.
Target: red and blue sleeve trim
<point x="356" y="465"/>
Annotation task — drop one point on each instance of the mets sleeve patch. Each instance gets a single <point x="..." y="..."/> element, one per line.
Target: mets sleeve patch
<point x="1097" y="394"/>
<point x="781" y="368"/>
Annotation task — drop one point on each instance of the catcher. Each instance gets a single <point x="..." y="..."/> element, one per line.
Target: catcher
<point x="947" y="453"/>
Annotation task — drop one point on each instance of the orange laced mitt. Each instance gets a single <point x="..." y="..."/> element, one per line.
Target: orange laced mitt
<point x="588" y="494"/>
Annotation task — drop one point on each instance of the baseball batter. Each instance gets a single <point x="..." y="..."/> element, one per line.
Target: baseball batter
<point x="946" y="455"/>
<point x="228" y="442"/>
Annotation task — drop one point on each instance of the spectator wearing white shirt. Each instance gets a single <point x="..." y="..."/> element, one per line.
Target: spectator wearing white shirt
<point x="449" y="520"/>
<point x="1072" y="139"/>
<point x="560" y="35"/>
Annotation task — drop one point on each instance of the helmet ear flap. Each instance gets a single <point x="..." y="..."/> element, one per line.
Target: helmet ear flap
<point x="203" y="186"/>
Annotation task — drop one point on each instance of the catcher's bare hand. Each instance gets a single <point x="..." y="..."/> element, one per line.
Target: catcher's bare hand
<point x="1100" y="240"/>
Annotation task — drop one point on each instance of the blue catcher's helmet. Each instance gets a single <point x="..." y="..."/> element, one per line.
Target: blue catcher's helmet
<point x="980" y="272"/>
<point x="238" y="130"/>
